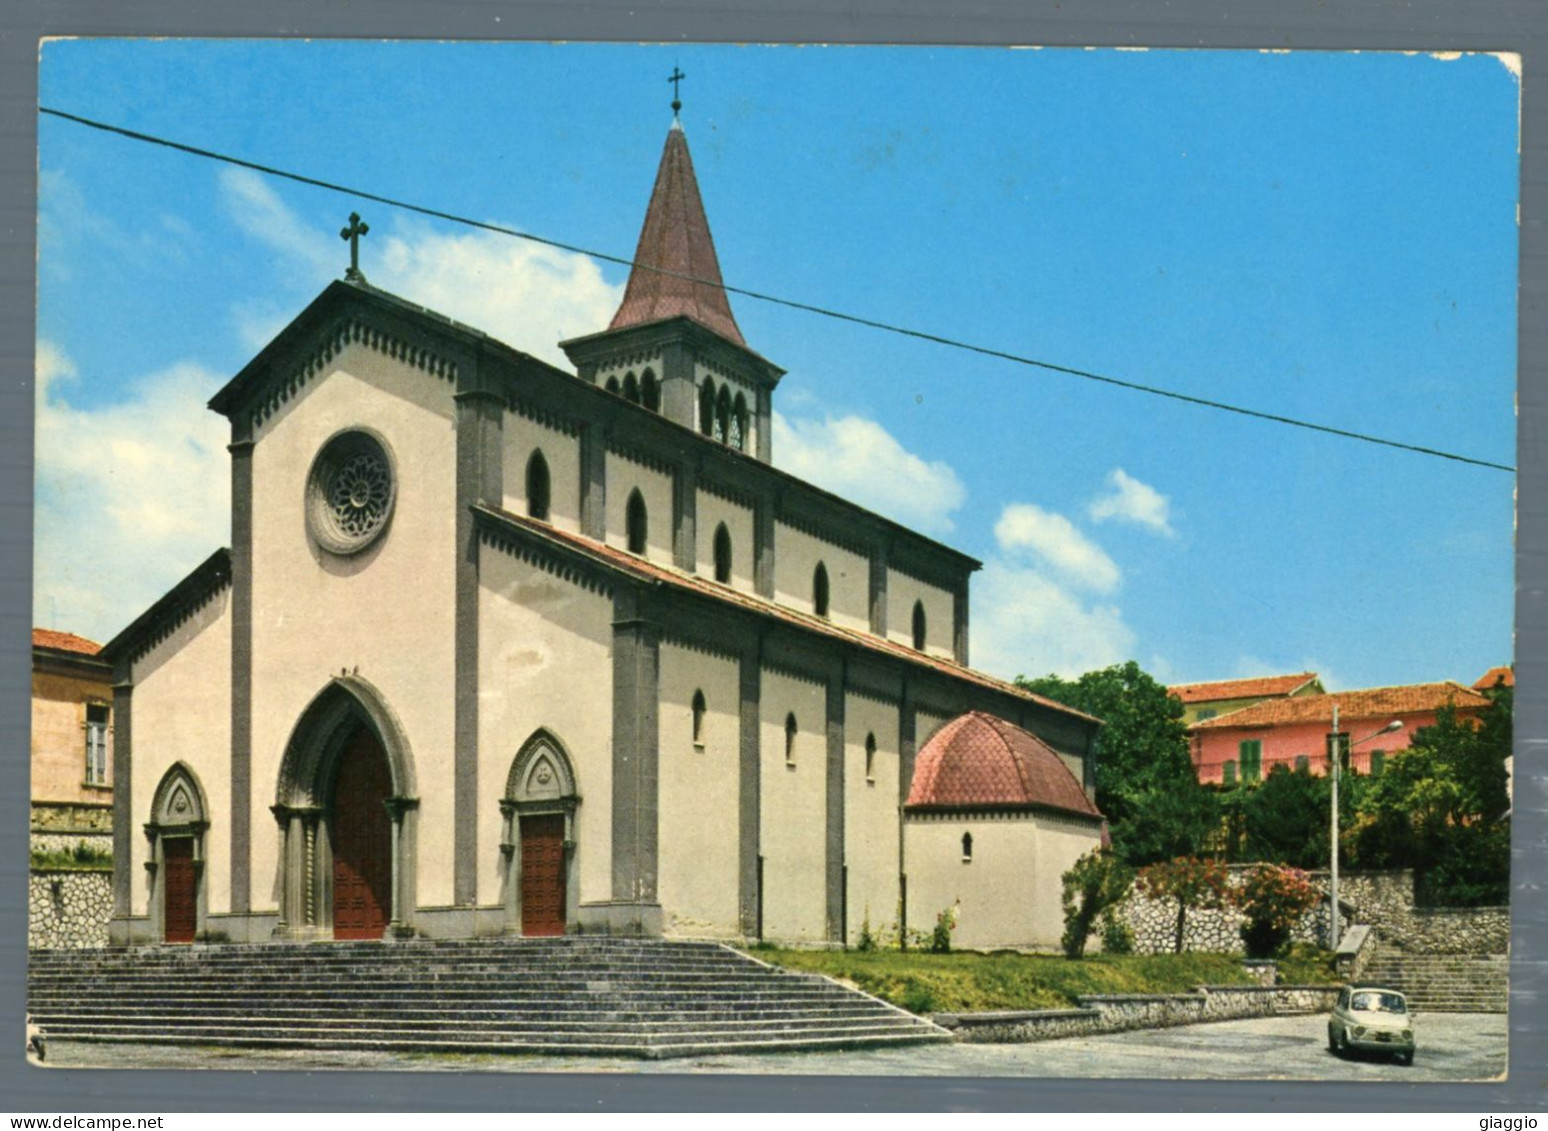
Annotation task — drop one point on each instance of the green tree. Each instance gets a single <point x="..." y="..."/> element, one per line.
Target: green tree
<point x="1440" y="807"/>
<point x="1145" y="781"/>
<point x="1095" y="883"/>
<point x="1286" y="818"/>
<point x="1195" y="884"/>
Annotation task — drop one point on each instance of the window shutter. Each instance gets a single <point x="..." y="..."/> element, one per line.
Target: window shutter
<point x="1251" y="754"/>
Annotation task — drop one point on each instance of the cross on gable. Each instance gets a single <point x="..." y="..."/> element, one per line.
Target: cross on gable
<point x="353" y="233"/>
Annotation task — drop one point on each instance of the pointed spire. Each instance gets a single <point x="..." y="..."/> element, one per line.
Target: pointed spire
<point x="676" y="239"/>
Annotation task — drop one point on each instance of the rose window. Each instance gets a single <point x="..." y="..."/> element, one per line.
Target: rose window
<point x="350" y="492"/>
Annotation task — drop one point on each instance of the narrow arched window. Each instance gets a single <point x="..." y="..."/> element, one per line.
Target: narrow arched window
<point x="635" y="521"/>
<point x="722" y="554"/>
<point x="699" y="709"/>
<point x="650" y="392"/>
<point x="790" y="737"/>
<point x="612" y="386"/>
<point x="820" y="590"/>
<point x="707" y="407"/>
<point x="537" y="487"/>
<point x="870" y="757"/>
<point x="723" y="413"/>
<point x="631" y="388"/>
<point x="739" y="423"/>
<point x="967" y="847"/>
<point x="919" y="626"/>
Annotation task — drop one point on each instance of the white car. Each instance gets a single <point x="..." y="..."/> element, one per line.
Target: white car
<point x="1372" y="1019"/>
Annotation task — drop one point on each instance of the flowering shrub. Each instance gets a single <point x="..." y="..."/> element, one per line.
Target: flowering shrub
<point x="1192" y="881"/>
<point x="1272" y="898"/>
<point x="945" y="924"/>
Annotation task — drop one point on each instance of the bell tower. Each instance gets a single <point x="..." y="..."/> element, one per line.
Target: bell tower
<point x="674" y="345"/>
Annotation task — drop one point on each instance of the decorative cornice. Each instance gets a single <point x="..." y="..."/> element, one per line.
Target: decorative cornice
<point x="636" y="453"/>
<point x="736" y="496"/>
<point x="544" y="558"/>
<point x="943" y="813"/>
<point x="640" y="358"/>
<point x="548" y="418"/>
<point x="179" y="605"/>
<point x="791" y="669"/>
<point x="678" y="638"/>
<point x="822" y="531"/>
<point x="345" y="332"/>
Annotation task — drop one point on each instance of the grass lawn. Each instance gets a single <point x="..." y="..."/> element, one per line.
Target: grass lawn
<point x="968" y="982"/>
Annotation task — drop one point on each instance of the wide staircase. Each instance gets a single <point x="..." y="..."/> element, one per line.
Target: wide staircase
<point x="575" y="995"/>
<point x="1442" y="983"/>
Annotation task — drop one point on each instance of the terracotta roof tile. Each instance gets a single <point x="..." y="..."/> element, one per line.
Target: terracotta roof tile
<point x="675" y="239"/>
<point x="978" y="759"/>
<point x="640" y="567"/>
<point x="1257" y="687"/>
<point x="1501" y="676"/>
<point x="64" y="642"/>
<point x="1380" y="703"/>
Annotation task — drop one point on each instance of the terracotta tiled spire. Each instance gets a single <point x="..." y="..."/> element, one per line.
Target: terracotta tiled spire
<point x="676" y="238"/>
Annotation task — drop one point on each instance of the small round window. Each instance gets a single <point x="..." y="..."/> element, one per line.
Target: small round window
<point x="350" y="492"/>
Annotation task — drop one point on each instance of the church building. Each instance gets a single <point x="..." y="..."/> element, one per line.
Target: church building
<point x="499" y="648"/>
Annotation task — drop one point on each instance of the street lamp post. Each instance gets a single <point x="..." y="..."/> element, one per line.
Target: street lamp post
<point x="1335" y="757"/>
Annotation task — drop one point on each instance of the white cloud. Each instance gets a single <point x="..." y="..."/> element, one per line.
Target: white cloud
<point x="529" y="296"/>
<point x="1027" y="528"/>
<point x="129" y="496"/>
<point x="525" y="294"/>
<point x="861" y="461"/>
<point x="256" y="209"/>
<point x="74" y="236"/>
<point x="1133" y="501"/>
<point x="1025" y="623"/>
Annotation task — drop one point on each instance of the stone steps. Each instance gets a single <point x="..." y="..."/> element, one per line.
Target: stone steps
<point x="1443" y="983"/>
<point x="645" y="998"/>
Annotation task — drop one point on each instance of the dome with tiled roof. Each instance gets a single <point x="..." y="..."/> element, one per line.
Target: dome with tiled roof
<point x="979" y="761"/>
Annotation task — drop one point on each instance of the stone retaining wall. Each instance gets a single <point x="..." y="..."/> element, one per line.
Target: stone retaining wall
<point x="69" y="907"/>
<point x="1115" y="1013"/>
<point x="1383" y="899"/>
<point x="67" y="842"/>
<point x="72" y="817"/>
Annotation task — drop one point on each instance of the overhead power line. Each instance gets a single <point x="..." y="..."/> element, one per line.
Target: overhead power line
<point x="793" y="304"/>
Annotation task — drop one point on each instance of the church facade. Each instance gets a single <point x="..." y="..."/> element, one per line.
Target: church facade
<point x="500" y="648"/>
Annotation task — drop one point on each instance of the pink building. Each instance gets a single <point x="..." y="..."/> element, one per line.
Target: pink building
<point x="1295" y="732"/>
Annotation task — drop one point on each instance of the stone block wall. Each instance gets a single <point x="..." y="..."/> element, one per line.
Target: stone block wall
<point x="1114" y="1013"/>
<point x="1384" y="900"/>
<point x="59" y="826"/>
<point x="69" y="907"/>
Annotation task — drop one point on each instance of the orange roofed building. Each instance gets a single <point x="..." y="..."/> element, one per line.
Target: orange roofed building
<point x="1295" y="732"/>
<point x="72" y="696"/>
<point x="1208" y="700"/>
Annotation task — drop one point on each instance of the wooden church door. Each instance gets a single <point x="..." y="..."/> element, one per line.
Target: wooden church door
<point x="362" y="840"/>
<point x="542" y="875"/>
<point x="180" y="889"/>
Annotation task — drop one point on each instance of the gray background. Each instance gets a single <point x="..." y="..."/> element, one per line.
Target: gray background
<point x="1515" y="25"/>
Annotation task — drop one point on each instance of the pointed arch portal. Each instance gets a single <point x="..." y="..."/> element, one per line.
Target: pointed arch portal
<point x="176" y="834"/>
<point x="538" y="838"/>
<point x="347" y="806"/>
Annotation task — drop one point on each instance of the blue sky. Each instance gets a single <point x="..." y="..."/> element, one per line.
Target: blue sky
<point x="1322" y="235"/>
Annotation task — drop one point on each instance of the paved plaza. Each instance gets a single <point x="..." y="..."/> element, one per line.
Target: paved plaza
<point x="1452" y="1047"/>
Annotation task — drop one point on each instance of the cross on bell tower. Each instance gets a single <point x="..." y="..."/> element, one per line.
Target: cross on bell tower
<point x="353" y="233"/>
<point x="674" y="78"/>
